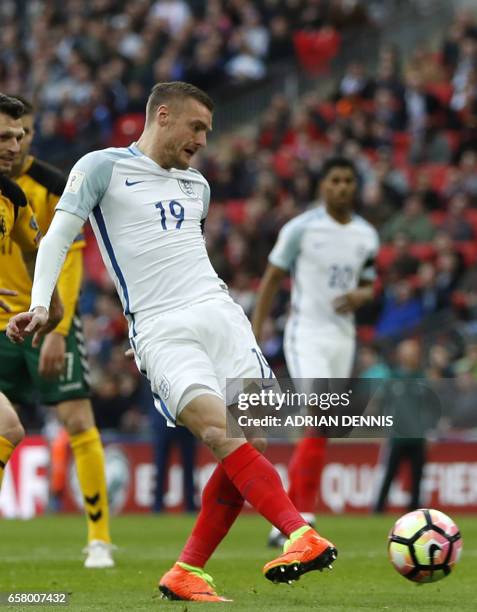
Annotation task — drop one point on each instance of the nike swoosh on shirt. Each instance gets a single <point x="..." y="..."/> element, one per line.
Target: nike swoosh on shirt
<point x="131" y="183"/>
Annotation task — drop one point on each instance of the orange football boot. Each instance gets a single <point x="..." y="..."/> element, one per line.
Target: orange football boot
<point x="304" y="552"/>
<point x="188" y="583"/>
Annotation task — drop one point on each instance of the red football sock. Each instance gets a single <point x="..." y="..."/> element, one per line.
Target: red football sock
<point x="221" y="504"/>
<point x="304" y="472"/>
<point x="259" y="483"/>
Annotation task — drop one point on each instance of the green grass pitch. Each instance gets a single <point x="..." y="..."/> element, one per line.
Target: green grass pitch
<point x="45" y="555"/>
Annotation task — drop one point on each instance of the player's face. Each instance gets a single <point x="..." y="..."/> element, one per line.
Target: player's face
<point x="338" y="188"/>
<point x="25" y="145"/>
<point x="186" y="132"/>
<point x="11" y="135"/>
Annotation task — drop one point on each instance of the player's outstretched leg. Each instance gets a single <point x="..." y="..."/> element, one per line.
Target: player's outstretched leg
<point x="77" y="417"/>
<point x="221" y="504"/>
<point x="11" y="433"/>
<point x="257" y="481"/>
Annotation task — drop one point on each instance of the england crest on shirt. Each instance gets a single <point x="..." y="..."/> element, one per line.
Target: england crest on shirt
<point x="187" y="187"/>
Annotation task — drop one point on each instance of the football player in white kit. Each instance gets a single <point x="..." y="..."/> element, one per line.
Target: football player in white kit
<point x="329" y="251"/>
<point x="146" y="207"/>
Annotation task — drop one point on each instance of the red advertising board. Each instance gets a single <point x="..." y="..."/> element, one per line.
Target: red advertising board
<point x="349" y="481"/>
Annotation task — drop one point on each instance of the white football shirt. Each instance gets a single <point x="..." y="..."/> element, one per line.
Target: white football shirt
<point x="326" y="260"/>
<point x="147" y="222"/>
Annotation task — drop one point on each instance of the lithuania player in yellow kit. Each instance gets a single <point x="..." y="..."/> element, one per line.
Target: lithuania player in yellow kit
<point x="17" y="223"/>
<point x="58" y="369"/>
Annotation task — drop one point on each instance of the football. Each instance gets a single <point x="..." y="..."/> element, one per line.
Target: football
<point x="424" y="545"/>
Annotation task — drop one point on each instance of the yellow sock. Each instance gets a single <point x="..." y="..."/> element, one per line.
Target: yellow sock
<point x="6" y="450"/>
<point x="89" y="458"/>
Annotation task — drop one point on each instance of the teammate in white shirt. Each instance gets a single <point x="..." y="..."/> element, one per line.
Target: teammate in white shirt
<point x="330" y="253"/>
<point x="147" y="206"/>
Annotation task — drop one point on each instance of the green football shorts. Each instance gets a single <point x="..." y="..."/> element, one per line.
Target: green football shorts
<point x="21" y="382"/>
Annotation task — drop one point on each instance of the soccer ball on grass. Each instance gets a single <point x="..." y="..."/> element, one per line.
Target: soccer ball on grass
<point x="424" y="545"/>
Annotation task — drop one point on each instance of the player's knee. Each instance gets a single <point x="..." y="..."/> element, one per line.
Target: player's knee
<point x="76" y="417"/>
<point x="259" y="443"/>
<point x="213" y="436"/>
<point x="14" y="432"/>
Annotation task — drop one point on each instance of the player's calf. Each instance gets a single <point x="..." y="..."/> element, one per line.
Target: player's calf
<point x="11" y="432"/>
<point x="10" y="427"/>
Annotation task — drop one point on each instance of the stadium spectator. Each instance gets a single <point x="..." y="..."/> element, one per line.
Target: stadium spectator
<point x="455" y="223"/>
<point x="405" y="402"/>
<point x="402" y="310"/>
<point x="464" y="414"/>
<point x="412" y="221"/>
<point x="370" y="363"/>
<point x="439" y="362"/>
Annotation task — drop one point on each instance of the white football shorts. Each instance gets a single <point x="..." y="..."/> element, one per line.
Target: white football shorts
<point x="310" y="354"/>
<point x="192" y="351"/>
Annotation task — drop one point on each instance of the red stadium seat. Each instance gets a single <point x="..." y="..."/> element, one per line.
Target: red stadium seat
<point x="459" y="300"/>
<point x="127" y="129"/>
<point x="437" y="217"/>
<point x="282" y="162"/>
<point x="366" y="333"/>
<point x="438" y="174"/>
<point x="468" y="250"/>
<point x="315" y="49"/>
<point x="328" y="111"/>
<point x="442" y="91"/>
<point x="423" y="251"/>
<point x="454" y="139"/>
<point x="386" y="256"/>
<point x="235" y="211"/>
<point x="401" y="142"/>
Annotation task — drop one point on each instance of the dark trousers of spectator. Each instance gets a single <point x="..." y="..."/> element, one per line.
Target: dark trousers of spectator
<point x="399" y="451"/>
<point x="165" y="438"/>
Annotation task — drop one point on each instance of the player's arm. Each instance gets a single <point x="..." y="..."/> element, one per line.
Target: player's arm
<point x="69" y="285"/>
<point x="351" y="301"/>
<point x="269" y="286"/>
<point x="69" y="281"/>
<point x="56" y="310"/>
<point x="280" y="260"/>
<point x="86" y="186"/>
<point x="364" y="293"/>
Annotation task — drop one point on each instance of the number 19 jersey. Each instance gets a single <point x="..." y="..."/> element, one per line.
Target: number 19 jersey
<point x="147" y="222"/>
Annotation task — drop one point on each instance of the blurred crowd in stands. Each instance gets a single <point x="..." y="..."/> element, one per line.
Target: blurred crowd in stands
<point x="87" y="63"/>
<point x="410" y="125"/>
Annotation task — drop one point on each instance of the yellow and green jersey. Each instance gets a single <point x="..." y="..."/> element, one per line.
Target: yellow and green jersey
<point x="17" y="222"/>
<point x="43" y="185"/>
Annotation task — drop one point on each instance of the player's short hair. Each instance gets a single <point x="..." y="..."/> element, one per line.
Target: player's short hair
<point x="11" y="106"/>
<point x="28" y="108"/>
<point x="162" y="93"/>
<point x="337" y="162"/>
